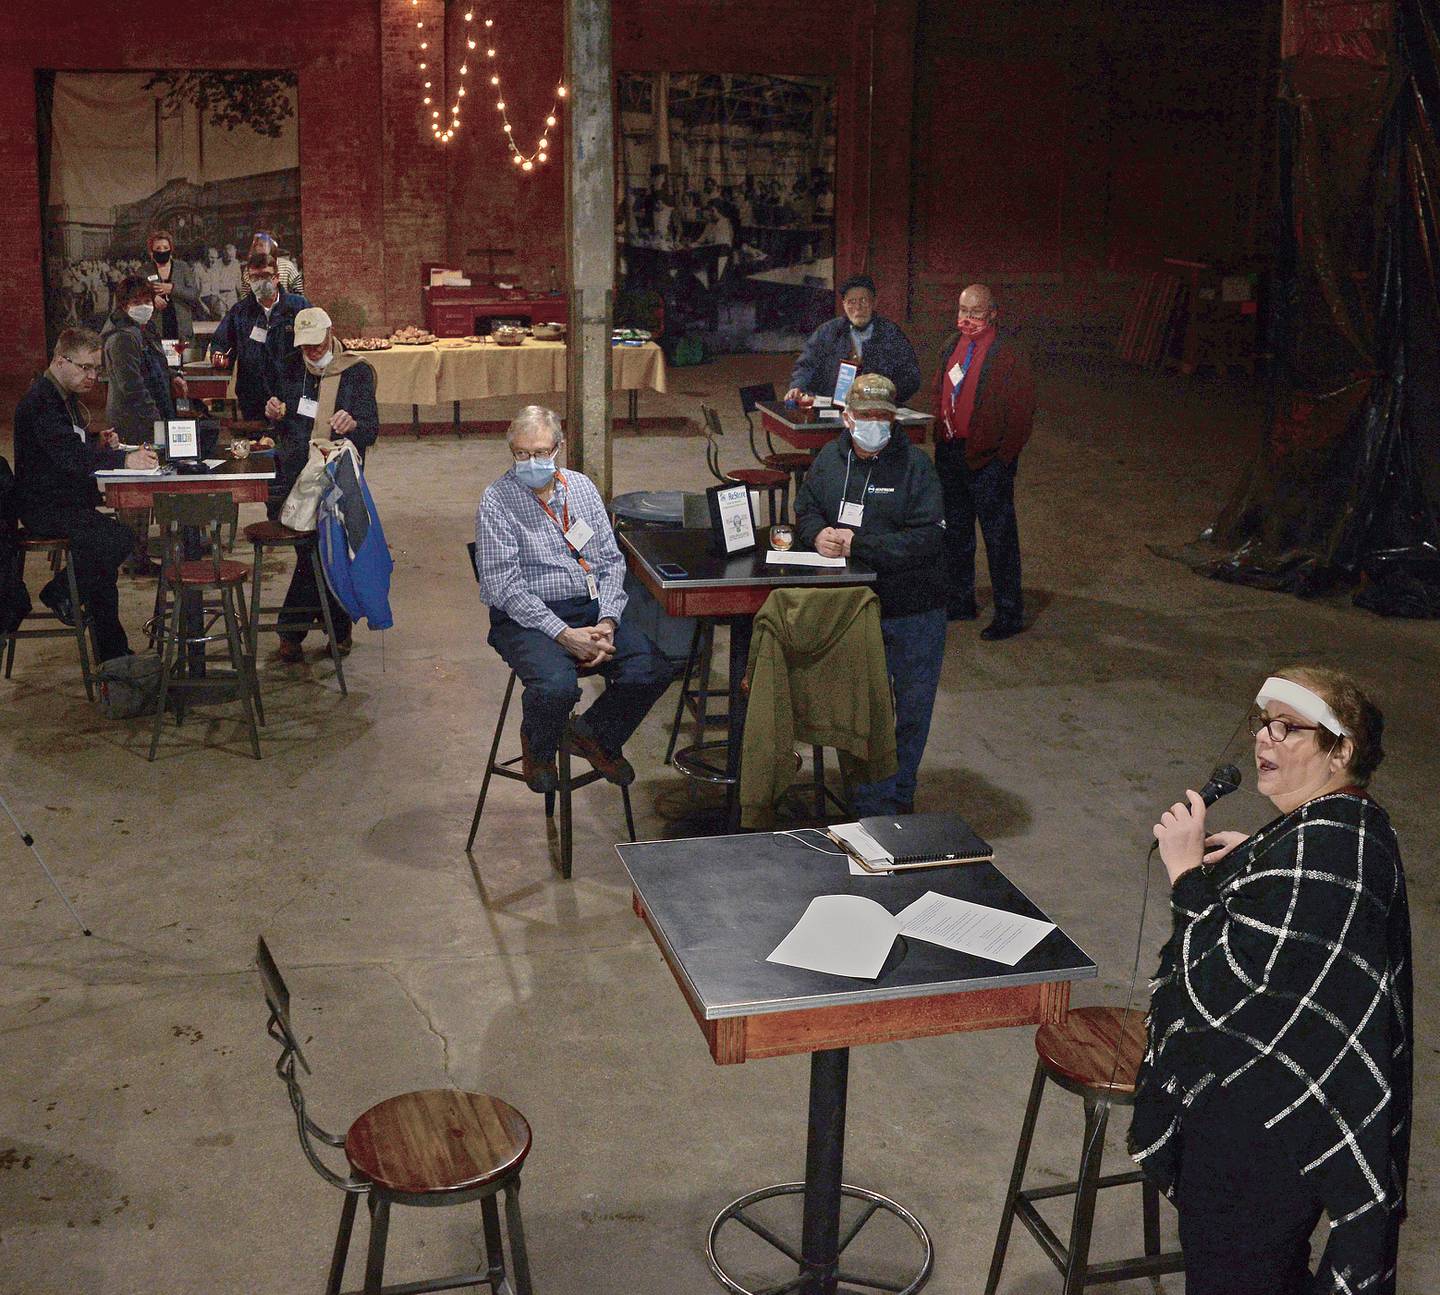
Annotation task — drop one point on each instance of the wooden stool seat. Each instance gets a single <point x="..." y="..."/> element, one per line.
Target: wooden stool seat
<point x="438" y="1140"/>
<point x="39" y="543"/>
<point x="759" y="478"/>
<point x="789" y="461"/>
<point x="275" y="534"/>
<point x="202" y="572"/>
<point x="1081" y="1051"/>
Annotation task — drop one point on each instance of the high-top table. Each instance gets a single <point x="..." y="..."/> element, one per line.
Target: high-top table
<point x="717" y="906"/>
<point x="805" y="430"/>
<point x="728" y="590"/>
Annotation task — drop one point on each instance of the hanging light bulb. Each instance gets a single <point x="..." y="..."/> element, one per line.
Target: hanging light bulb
<point x="544" y="143"/>
<point x="464" y="69"/>
<point x="461" y="92"/>
<point x="527" y="166"/>
<point x="500" y="103"/>
<point x="424" y="44"/>
<point x="560" y="90"/>
<point x="549" y="121"/>
<point x="426" y="99"/>
<point x="489" y="22"/>
<point x="470" y="44"/>
<point x="541" y="156"/>
<point x="469" y="14"/>
<point x="427" y="85"/>
<point x="423" y="66"/>
<point x="494" y="80"/>
<point x="508" y="128"/>
<point x="517" y="159"/>
<point x="489" y="53"/>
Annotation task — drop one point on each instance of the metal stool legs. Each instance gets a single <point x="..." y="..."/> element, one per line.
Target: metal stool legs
<point x="256" y="610"/>
<point x="1073" y="1261"/>
<point x="7" y="643"/>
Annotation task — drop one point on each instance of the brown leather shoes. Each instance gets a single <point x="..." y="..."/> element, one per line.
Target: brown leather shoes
<point x="290" y="653"/>
<point x="540" y="776"/>
<point x="612" y="767"/>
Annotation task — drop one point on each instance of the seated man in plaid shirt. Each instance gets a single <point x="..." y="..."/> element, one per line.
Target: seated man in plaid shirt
<point x="551" y="574"/>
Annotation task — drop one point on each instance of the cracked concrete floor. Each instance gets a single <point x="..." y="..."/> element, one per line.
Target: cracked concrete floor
<point x="145" y="1143"/>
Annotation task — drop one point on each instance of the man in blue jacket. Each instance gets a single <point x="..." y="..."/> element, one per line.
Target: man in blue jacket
<point x="257" y="335"/>
<point x="859" y="341"/>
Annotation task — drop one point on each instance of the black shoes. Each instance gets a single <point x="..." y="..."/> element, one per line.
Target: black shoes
<point x="56" y="596"/>
<point x="962" y="610"/>
<point x="1001" y="629"/>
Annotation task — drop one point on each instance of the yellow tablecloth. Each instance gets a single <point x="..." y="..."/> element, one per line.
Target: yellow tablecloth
<point x="440" y="373"/>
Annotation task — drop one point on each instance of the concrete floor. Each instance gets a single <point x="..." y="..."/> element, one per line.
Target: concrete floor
<point x="145" y="1143"/>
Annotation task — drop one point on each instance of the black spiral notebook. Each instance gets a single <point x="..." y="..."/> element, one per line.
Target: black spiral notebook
<point x="915" y="841"/>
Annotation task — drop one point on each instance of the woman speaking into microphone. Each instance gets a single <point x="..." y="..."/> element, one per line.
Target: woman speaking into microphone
<point x="1276" y="1081"/>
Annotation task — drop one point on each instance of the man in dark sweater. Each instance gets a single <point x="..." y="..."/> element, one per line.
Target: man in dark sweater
<point x="874" y="496"/>
<point x="257" y="334"/>
<point x="322" y="394"/>
<point x="984" y="408"/>
<point x="56" y="456"/>
<point x="868" y="342"/>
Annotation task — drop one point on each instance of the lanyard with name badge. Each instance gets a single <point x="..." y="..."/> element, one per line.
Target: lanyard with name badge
<point x="309" y="406"/>
<point x="853" y="514"/>
<point x="957" y="373"/>
<point x="576" y="536"/>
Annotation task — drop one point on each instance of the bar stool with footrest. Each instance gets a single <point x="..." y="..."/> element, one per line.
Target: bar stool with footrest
<point x="774" y="483"/>
<point x="274" y="535"/>
<point x="1080" y="1057"/>
<point x="796" y="462"/>
<point x="184" y="585"/>
<point x="58" y="551"/>
<point x="430" y="1148"/>
<point x="566" y="783"/>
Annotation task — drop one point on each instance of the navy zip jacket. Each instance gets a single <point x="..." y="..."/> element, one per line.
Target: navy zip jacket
<point x="901" y="533"/>
<point x="888" y="351"/>
<point x="292" y="443"/>
<point x="139" y="379"/>
<point x="53" y="465"/>
<point x="258" y="363"/>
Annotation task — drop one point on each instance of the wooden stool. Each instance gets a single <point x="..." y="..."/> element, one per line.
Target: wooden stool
<point x="796" y="463"/>
<point x="186" y="581"/>
<point x="435" y="1147"/>
<point x="1080" y="1057"/>
<point x="59" y="551"/>
<point x="272" y="535"/>
<point x="566" y="784"/>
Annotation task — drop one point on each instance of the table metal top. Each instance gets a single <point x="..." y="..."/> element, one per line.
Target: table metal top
<point x="693" y="550"/>
<point x="256" y="468"/>
<point x="719" y="905"/>
<point x="800" y="419"/>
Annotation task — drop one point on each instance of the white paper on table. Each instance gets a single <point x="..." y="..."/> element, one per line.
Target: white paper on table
<point x="821" y="402"/>
<point x="844" y="935"/>
<point x="213" y="463"/>
<point x="793" y="558"/>
<point x="972" y="928"/>
<point x="130" y="472"/>
<point x="856" y="839"/>
<point x="828" y="413"/>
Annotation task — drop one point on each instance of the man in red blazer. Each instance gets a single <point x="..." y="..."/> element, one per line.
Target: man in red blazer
<point x="984" y="408"/>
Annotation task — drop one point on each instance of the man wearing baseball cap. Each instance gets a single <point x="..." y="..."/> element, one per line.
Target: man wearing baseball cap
<point x="875" y="496"/>
<point x="322" y="394"/>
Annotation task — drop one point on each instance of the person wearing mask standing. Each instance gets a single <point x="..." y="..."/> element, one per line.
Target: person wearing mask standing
<point x="257" y="334"/>
<point x="56" y="456"/>
<point x="875" y="496"/>
<point x="323" y="394"/>
<point x="858" y="341"/>
<point x="984" y="410"/>
<point x="291" y="279"/>
<point x="177" y="290"/>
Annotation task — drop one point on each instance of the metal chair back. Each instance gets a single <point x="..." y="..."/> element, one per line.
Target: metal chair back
<point x="710" y="419"/>
<point x="750" y="397"/>
<point x="206" y="513"/>
<point x="277" y="999"/>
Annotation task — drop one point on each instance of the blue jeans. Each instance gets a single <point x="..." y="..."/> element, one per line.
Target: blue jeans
<point x="634" y="678"/>
<point x="986" y="495"/>
<point x="914" y="651"/>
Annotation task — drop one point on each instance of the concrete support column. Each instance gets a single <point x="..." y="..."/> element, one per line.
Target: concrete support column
<point x="589" y="238"/>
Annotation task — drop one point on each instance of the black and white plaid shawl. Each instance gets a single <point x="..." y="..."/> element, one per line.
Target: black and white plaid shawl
<point x="1287" y="980"/>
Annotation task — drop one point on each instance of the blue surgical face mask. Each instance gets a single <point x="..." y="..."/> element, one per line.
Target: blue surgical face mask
<point x="870" y="434"/>
<point x="535" y="474"/>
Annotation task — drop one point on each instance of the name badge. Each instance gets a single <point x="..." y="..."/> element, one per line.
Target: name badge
<point x="852" y="514"/>
<point x="78" y="430"/>
<point x="590" y="585"/>
<point x="956" y="374"/>
<point x="258" y="334"/>
<point x="172" y="358"/>
<point x="578" y="536"/>
<point x="843" y="381"/>
<point x="307" y="408"/>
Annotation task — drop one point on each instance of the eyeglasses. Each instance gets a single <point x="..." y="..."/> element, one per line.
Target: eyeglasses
<point x="1278" y="729"/>
<point x="524" y="456"/>
<point x="91" y="369"/>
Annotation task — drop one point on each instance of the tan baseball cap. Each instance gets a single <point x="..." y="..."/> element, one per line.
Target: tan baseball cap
<point x="311" y="325"/>
<point x="871" y="393"/>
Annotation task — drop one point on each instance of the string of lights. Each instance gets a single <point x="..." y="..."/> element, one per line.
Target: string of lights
<point x="443" y="132"/>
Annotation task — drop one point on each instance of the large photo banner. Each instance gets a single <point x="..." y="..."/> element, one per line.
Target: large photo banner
<point x="210" y="158"/>
<point x="726" y="207"/>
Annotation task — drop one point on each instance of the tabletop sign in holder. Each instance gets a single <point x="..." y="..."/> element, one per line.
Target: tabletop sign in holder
<point x="177" y="438"/>
<point x="732" y="526"/>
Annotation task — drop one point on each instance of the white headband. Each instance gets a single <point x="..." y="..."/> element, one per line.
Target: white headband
<point x="1303" y="702"/>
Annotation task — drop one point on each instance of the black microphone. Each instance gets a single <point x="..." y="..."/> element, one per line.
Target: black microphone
<point x="1224" y="779"/>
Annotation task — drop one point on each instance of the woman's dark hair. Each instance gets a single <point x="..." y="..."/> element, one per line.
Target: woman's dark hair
<point x="133" y="288"/>
<point x="1353" y="708"/>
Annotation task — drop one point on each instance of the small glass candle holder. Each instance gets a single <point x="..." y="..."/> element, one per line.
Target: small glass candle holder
<point x="781" y="537"/>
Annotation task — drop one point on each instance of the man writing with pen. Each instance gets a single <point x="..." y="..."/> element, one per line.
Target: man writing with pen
<point x="552" y="575"/>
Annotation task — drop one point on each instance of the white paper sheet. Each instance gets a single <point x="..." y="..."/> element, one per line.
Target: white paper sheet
<point x="793" y="558"/>
<point x="822" y="402"/>
<point x="972" y="928"/>
<point x="112" y="474"/>
<point x="866" y="846"/>
<point x="828" y="414"/>
<point x="212" y="464"/>
<point x="844" y="935"/>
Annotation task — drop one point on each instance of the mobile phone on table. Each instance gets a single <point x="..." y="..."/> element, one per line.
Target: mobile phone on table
<point x="671" y="571"/>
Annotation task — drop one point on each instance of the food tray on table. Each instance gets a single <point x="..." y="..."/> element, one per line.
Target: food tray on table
<point x="412" y="336"/>
<point x="366" y="343"/>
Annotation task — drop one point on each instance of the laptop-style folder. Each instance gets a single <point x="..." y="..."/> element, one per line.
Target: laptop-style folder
<point x="912" y="841"/>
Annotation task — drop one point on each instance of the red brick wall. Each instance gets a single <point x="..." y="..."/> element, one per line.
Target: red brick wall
<point x="334" y="45"/>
